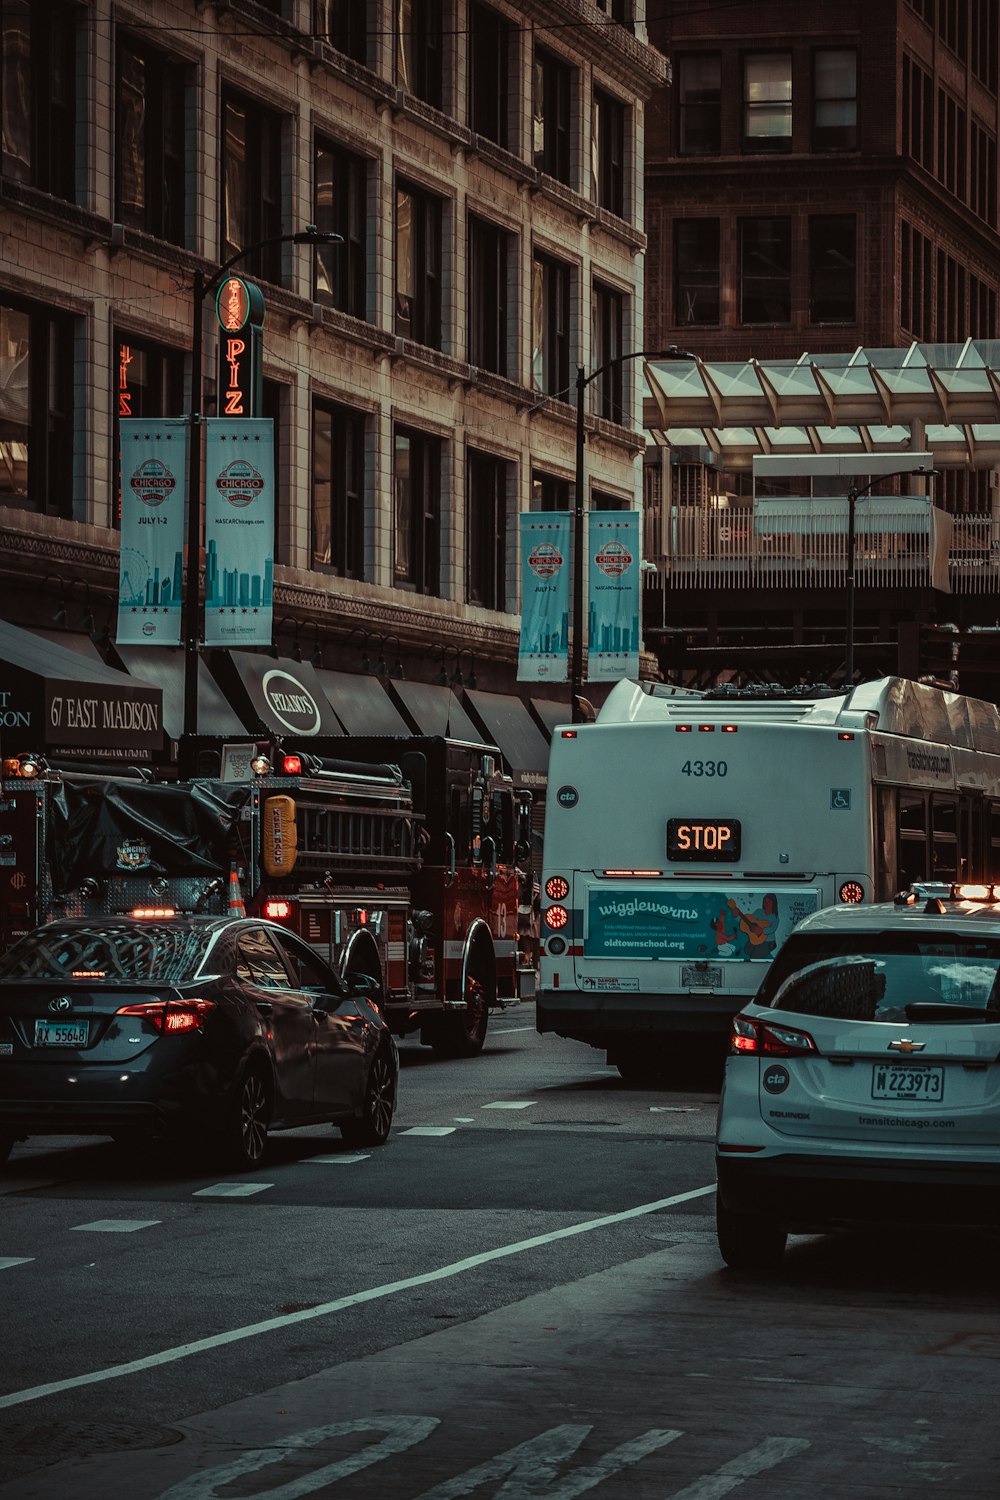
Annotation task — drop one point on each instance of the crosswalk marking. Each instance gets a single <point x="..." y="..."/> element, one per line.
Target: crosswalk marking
<point x="117" y="1226"/>
<point x="429" y="1130"/>
<point x="338" y="1161"/>
<point x="6" y="1261"/>
<point x="512" y="1104"/>
<point x="233" y="1190"/>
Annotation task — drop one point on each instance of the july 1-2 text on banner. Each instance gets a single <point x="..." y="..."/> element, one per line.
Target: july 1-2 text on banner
<point x="543" y="651"/>
<point x="151" y="556"/>
<point x="614" y="573"/>
<point x="239" y="531"/>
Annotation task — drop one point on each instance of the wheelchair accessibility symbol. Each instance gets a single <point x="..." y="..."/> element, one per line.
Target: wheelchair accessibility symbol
<point x="840" y="798"/>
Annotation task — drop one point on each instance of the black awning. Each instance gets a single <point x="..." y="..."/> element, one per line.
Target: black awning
<point x="164" y="668"/>
<point x="551" y="714"/>
<point x="361" y="703"/>
<point x="279" y="695"/>
<point x="57" y="702"/>
<point x="435" y="710"/>
<point x="507" y="721"/>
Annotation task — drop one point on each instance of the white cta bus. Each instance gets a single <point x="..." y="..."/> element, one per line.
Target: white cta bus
<point x="687" y="832"/>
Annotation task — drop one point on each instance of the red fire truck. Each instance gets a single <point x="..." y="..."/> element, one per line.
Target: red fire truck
<point x="405" y="869"/>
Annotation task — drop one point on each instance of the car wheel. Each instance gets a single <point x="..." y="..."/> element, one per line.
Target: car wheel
<point x="462" y="1033"/>
<point x="748" y="1242"/>
<point x="372" y="1126"/>
<point x="246" y="1136"/>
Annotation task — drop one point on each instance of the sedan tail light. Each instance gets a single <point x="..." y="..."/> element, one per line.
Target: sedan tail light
<point x="767" y="1039"/>
<point x="171" y="1016"/>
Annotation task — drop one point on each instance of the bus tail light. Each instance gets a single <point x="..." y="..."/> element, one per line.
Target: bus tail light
<point x="765" y="1039"/>
<point x="851" y="892"/>
<point x="556" y="917"/>
<point x="556" y="888"/>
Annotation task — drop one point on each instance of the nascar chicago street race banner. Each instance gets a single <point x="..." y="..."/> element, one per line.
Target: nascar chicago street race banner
<point x="239" y="531"/>
<point x="151" y="558"/>
<point x="543" y="652"/>
<point x="613" y="614"/>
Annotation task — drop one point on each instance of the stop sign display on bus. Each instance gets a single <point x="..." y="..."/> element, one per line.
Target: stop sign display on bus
<point x="703" y="840"/>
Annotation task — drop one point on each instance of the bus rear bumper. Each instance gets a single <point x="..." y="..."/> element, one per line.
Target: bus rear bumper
<point x="606" y="1020"/>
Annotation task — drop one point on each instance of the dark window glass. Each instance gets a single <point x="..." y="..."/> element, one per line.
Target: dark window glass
<point x="550" y="314"/>
<point x="258" y="961"/>
<point x="552" y="113"/>
<point x="912" y="845"/>
<point x="490" y="252"/>
<point x="338" y="472"/>
<point x="832" y="295"/>
<point x="38" y="94"/>
<point x="944" y="838"/>
<point x="699" y="96"/>
<point x="767" y="101"/>
<point x="344" y="24"/>
<point x="307" y="969"/>
<point x="149" y="156"/>
<point x="341" y="206"/>
<point x="835" y="100"/>
<point x="696" y="271"/>
<point x="416" y="536"/>
<point x="251" y="185"/>
<point x="419" y="43"/>
<point x="549" y="492"/>
<point x="418" y="266"/>
<point x="165" y="955"/>
<point x="486" y="506"/>
<point x="490" y="41"/>
<point x="765" y="271"/>
<point x="609" y="153"/>
<point x="608" y="310"/>
<point x="36" y="409"/>
<point x="150" y="380"/>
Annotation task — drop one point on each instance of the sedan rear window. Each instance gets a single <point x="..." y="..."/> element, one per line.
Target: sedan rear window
<point x="887" y="976"/>
<point x="105" y="953"/>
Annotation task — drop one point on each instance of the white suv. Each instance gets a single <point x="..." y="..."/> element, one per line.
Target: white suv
<point x="863" y="1082"/>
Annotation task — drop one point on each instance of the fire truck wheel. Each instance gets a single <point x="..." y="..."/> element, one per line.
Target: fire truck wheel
<point x="245" y="1138"/>
<point x="372" y="1126"/>
<point x="462" y="1033"/>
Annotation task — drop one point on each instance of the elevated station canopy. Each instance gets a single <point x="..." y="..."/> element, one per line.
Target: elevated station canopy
<point x="940" y="398"/>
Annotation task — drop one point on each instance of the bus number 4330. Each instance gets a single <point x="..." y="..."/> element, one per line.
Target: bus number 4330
<point x="704" y="768"/>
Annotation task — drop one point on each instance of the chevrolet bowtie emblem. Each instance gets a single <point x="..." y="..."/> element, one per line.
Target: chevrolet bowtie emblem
<point x="905" y="1045"/>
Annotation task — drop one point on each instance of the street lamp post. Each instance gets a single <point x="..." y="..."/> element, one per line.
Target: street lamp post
<point x="203" y="285"/>
<point x="582" y="382"/>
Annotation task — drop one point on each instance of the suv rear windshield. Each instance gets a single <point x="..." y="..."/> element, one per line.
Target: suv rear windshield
<point x="111" y="953"/>
<point x="886" y="976"/>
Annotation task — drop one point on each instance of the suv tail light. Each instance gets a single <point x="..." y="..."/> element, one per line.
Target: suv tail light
<point x="767" y="1039"/>
<point x="171" y="1016"/>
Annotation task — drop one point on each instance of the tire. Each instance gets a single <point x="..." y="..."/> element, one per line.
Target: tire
<point x="245" y="1139"/>
<point x="372" y="1126"/>
<point x="748" y="1242"/>
<point x="462" y="1033"/>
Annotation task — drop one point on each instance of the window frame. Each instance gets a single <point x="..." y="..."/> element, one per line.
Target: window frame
<point x="551" y="324"/>
<point x="608" y="307"/>
<point x="816" y="271"/>
<point x="164" y="167"/>
<point x="262" y="170"/>
<point x="343" y="25"/>
<point x="49" y="431"/>
<point x="417" y="511"/>
<point x="48" y="107"/>
<point x="491" y="37"/>
<point x="767" y="143"/>
<point x="344" y="267"/>
<point x="425" y="323"/>
<point x="823" y="137"/>
<point x="492" y="254"/>
<point x="346" y="510"/>
<point x="418" y="27"/>
<point x="703" y="107"/>
<point x="486" y="491"/>
<point x="742" y="227"/>
<point x="609" y="138"/>
<point x="685" y="284"/>
<point x="552" y="93"/>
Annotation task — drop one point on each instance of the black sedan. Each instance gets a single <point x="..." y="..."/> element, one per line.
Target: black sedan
<point x="185" y="1026"/>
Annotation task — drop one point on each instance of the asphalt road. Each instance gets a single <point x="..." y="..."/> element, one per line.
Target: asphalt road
<point x="519" y="1296"/>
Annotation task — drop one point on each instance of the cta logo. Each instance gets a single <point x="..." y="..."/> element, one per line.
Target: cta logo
<point x="152" y="482"/>
<point x="291" y="704"/>
<point x="240" y="483"/>
<point x="775" y="1078"/>
<point x="613" y="559"/>
<point x="545" y="560"/>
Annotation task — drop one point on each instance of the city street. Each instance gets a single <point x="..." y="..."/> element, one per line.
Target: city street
<point x="519" y="1296"/>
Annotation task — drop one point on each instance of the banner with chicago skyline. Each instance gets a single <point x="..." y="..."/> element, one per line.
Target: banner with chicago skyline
<point x="239" y="531"/>
<point x="153" y="483"/>
<point x="543" y="651"/>
<point x="613" y="557"/>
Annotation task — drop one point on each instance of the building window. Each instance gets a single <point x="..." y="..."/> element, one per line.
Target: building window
<point x="491" y="257"/>
<point x="767" y="101"/>
<point x="149" y="157"/>
<point x="608" y="153"/>
<point x="765" y="270"/>
<point x="835" y="100"/>
<point x="696" y="271"/>
<point x="607" y="345"/>
<point x="832" y="260"/>
<point x="549" y="492"/>
<point x="419" y="45"/>
<point x="251" y="185"/>
<point x="417" y="516"/>
<point x="38" y="94"/>
<point x="338" y="490"/>
<point x="699" y="98"/>
<point x="552" y="115"/>
<point x="341" y="205"/>
<point x="150" y="383"/>
<point x="36" y="409"/>
<point x="491" y="37"/>
<point x="486" y="511"/>
<point x="344" y="24"/>
<point x="418" y="266"/>
<point x="550" y="324"/>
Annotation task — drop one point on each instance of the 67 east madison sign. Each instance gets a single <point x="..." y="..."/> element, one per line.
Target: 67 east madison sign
<point x="96" y="716"/>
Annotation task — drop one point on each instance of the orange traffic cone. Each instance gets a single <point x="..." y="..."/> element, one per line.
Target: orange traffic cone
<point x="236" y="906"/>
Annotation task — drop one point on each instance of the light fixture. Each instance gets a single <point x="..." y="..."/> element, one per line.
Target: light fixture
<point x="59" y="618"/>
<point x="260" y="765"/>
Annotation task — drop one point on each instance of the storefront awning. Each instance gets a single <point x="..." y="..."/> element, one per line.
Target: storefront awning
<point x="164" y="668"/>
<point x="507" y="722"/>
<point x="435" y="710"/>
<point x="57" y="702"/>
<point x="361" y="703"/>
<point x="552" y="714"/>
<point x="275" y="694"/>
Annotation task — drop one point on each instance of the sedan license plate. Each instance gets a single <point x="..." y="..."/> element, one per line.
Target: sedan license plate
<point x="901" y="1081"/>
<point x="61" y="1033"/>
<point x="701" y="976"/>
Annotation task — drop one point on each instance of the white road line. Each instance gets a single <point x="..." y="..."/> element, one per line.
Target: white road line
<point x="768" y="1453"/>
<point x="428" y="1130"/>
<point x="512" y="1104"/>
<point x="233" y="1190"/>
<point x="116" y="1226"/>
<point x="354" y="1299"/>
<point x="6" y="1261"/>
<point x="337" y="1161"/>
<point x="464" y="1119"/>
<point x="509" y="1030"/>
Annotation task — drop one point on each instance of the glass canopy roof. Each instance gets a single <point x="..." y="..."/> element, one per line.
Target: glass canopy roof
<point x="939" y="398"/>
